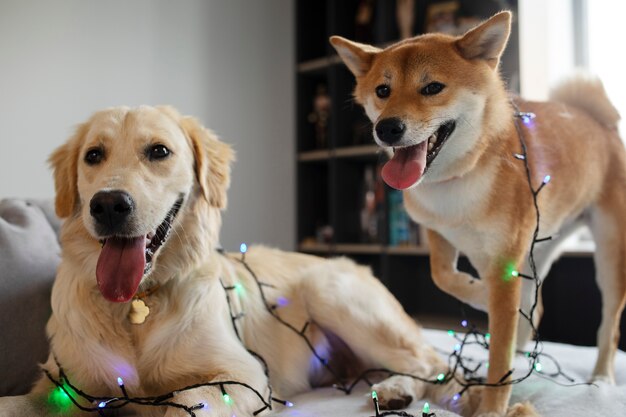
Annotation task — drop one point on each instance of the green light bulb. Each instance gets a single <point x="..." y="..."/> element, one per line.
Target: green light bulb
<point x="451" y="332"/>
<point x="426" y="408"/>
<point x="538" y="367"/>
<point x="374" y="395"/>
<point x="227" y="399"/>
<point x="440" y="378"/>
<point x="59" y="400"/>
<point x="509" y="272"/>
<point x="239" y="288"/>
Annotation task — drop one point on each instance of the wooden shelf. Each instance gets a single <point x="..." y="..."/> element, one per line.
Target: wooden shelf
<point x="317" y="155"/>
<point x="361" y="249"/>
<point x="356" y="151"/>
<point x="346" y="152"/>
<point x="318" y="64"/>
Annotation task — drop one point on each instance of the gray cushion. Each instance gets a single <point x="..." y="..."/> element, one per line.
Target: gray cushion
<point x="29" y="255"/>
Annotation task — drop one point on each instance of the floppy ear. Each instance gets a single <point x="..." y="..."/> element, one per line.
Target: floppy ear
<point x="487" y="40"/>
<point x="64" y="162"/>
<point x="357" y="56"/>
<point x="213" y="160"/>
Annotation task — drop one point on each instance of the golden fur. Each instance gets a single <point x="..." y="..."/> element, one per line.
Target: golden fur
<point x="188" y="337"/>
<point x="475" y="197"/>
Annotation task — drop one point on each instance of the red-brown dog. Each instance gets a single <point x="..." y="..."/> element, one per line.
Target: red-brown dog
<point x="440" y="104"/>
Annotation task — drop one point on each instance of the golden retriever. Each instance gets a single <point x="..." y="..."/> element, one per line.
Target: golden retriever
<point x="142" y="190"/>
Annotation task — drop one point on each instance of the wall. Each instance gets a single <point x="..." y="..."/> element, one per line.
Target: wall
<point x="546" y="45"/>
<point x="228" y="62"/>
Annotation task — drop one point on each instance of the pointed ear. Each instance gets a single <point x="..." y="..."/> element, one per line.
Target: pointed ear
<point x="488" y="40"/>
<point x="213" y="159"/>
<point x="357" y="56"/>
<point x="64" y="162"/>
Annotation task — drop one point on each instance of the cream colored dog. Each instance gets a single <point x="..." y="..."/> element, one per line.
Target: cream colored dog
<point x="141" y="292"/>
<point x="440" y="104"/>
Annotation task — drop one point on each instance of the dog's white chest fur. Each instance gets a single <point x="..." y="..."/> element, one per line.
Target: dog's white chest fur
<point x="456" y="201"/>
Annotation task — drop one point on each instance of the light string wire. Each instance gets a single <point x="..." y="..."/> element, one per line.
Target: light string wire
<point x="456" y="360"/>
<point x="102" y="403"/>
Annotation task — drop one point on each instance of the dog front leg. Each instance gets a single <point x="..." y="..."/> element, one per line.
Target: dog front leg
<point x="211" y="401"/>
<point x="443" y="262"/>
<point x="503" y="303"/>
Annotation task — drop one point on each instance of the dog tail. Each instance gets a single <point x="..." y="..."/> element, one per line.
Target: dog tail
<point x="587" y="93"/>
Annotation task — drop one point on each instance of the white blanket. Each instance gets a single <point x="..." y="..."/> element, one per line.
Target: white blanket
<point x="550" y="399"/>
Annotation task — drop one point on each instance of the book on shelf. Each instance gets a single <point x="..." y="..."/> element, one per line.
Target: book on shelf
<point x="402" y="230"/>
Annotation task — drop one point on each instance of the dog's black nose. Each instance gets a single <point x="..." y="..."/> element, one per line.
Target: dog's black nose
<point x="111" y="209"/>
<point x="390" y="130"/>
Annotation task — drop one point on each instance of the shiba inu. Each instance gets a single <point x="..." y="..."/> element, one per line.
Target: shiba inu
<point x="144" y="296"/>
<point x="438" y="104"/>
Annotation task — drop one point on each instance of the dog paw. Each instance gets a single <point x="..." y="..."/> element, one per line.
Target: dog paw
<point x="516" y="410"/>
<point x="395" y="393"/>
<point x="522" y="410"/>
<point x="604" y="379"/>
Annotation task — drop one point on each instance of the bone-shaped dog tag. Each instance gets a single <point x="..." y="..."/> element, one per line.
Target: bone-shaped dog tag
<point x="138" y="312"/>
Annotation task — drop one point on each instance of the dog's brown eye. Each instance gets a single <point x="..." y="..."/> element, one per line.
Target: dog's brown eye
<point x="158" y="152"/>
<point x="383" y="91"/>
<point x="94" y="156"/>
<point x="432" y="89"/>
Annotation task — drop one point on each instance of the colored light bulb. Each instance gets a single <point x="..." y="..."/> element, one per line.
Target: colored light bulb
<point x="59" y="400"/>
<point x="441" y="377"/>
<point x="120" y="381"/>
<point x="243" y="248"/>
<point x="426" y="408"/>
<point x="288" y="403"/>
<point x="374" y="395"/>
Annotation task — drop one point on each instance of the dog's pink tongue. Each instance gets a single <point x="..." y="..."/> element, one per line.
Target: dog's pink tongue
<point x="406" y="167"/>
<point x="120" y="268"/>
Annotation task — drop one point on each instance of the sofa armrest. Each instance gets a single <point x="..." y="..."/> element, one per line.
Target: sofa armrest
<point x="29" y="255"/>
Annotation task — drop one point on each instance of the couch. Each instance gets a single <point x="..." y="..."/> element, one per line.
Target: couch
<point x="29" y="255"/>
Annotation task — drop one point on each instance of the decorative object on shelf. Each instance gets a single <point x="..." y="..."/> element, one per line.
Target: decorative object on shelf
<point x="320" y="114"/>
<point x="441" y="17"/>
<point x="405" y="16"/>
<point x="363" y="21"/>
<point x="369" y="210"/>
<point x="324" y="234"/>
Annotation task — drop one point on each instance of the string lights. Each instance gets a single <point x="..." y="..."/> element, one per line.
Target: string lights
<point x="65" y="394"/>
